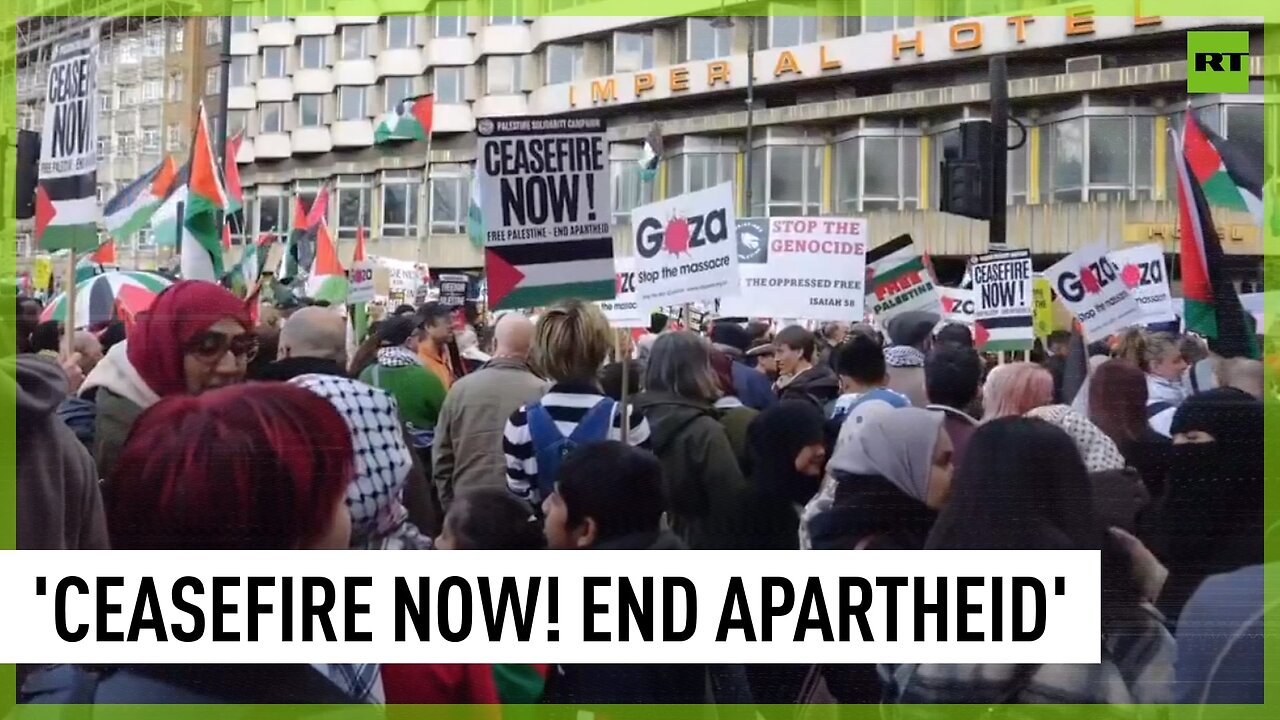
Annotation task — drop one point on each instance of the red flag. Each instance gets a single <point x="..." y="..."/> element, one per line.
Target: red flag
<point x="424" y="112"/>
<point x="359" y="254"/>
<point x="231" y="173"/>
<point x="319" y="208"/>
<point x="105" y="254"/>
<point x="226" y="236"/>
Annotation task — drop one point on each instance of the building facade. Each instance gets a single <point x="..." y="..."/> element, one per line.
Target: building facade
<point x="852" y="116"/>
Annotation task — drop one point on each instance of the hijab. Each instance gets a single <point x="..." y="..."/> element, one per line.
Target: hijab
<point x="894" y="443"/>
<point x="158" y="340"/>
<point x="378" y="519"/>
<point x="1098" y="451"/>
<point x="775" y="438"/>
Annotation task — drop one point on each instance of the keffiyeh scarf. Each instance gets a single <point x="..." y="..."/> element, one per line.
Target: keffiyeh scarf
<point x="379" y="520"/>
<point x="903" y="356"/>
<point x="1098" y="451"/>
<point x="397" y="356"/>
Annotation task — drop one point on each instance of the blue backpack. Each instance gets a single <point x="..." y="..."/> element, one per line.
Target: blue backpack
<point x="550" y="447"/>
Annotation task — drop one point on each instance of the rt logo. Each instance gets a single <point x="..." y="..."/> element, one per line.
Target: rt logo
<point x="1218" y="62"/>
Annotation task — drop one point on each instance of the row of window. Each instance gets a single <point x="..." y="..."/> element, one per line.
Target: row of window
<point x="148" y="139"/>
<point x="401" y="31"/>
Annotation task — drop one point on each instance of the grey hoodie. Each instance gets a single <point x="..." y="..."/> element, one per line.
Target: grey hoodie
<point x="59" y="506"/>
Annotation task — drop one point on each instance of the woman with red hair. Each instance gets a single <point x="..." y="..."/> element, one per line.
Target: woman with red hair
<point x="1015" y="389"/>
<point x="1118" y="406"/>
<point x="196" y="336"/>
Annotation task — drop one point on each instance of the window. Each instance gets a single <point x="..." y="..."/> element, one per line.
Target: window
<point x="177" y="35"/>
<point x="312" y="52"/>
<point x="212" y="80"/>
<point x="400" y="202"/>
<point x="450" y="25"/>
<point x="241" y="23"/>
<point x="877" y="173"/>
<point x="1244" y="124"/>
<point x="212" y="30"/>
<point x="126" y="143"/>
<point x="354" y="199"/>
<point x="502" y="75"/>
<point x="1019" y="169"/>
<point x="401" y="31"/>
<point x="353" y="42"/>
<point x="505" y="6"/>
<point x="104" y="147"/>
<point x="879" y="22"/>
<point x="239" y="71"/>
<point x="696" y="39"/>
<point x="310" y="110"/>
<point x="152" y="90"/>
<point x="699" y="171"/>
<point x="449" y="85"/>
<point x="273" y="62"/>
<point x="450" y="188"/>
<point x="175" y="138"/>
<point x="351" y="103"/>
<point x="237" y="120"/>
<point x="128" y="50"/>
<point x="177" y="86"/>
<point x="1100" y="158"/>
<point x="564" y="63"/>
<point x="786" y="31"/>
<point x="849" y="26"/>
<point x="150" y="139"/>
<point x="104" y="103"/>
<point x="631" y="52"/>
<point x="153" y="43"/>
<point x="395" y="89"/>
<point x="1067" y="157"/>
<point x="505" y="19"/>
<point x="629" y="189"/>
<point x="271" y="214"/>
<point x="128" y="95"/>
<point x="1109" y="156"/>
<point x="786" y="181"/>
<point x="271" y="117"/>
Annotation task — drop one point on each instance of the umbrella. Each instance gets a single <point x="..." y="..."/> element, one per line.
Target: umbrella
<point x="96" y="296"/>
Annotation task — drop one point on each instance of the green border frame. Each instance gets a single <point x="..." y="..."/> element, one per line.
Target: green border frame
<point x="1269" y="10"/>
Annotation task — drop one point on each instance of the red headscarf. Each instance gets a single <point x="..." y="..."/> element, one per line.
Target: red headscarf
<point x="180" y="313"/>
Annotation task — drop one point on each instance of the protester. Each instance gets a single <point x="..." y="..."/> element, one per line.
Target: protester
<point x="861" y="367"/>
<point x="114" y="332"/>
<point x="762" y="356"/>
<point x="1220" y="640"/>
<point x="195" y="337"/>
<point x="1058" y="346"/>
<point x="828" y="341"/>
<point x="88" y="350"/>
<point x="1118" y="406"/>
<point x="312" y="340"/>
<point x="611" y="378"/>
<point x="799" y="378"/>
<point x="1118" y="491"/>
<point x="910" y="337"/>
<point x="956" y="334"/>
<point x="1164" y="367"/>
<point x="399" y="370"/>
<point x="786" y="456"/>
<point x="1023" y="486"/>
<point x="1242" y="374"/>
<point x="46" y="339"/>
<point x="1015" y="389"/>
<point x="490" y="518"/>
<point x="268" y="340"/>
<point x="436" y="321"/>
<point x="571" y="341"/>
<point x="1131" y="347"/>
<point x="953" y="377"/>
<point x="180" y="489"/>
<point x="79" y="413"/>
<point x="57" y="499"/>
<point x="759" y="331"/>
<point x="379" y="520"/>
<point x="28" y="317"/>
<point x="704" y="483"/>
<point x="404" y="310"/>
<point x="467" y="452"/>
<point x="752" y="388"/>
<point x="734" y="415"/>
<point x="473" y="358"/>
<point x="1212" y="518"/>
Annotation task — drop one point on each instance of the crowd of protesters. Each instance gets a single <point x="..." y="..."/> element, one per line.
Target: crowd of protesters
<point x="182" y="435"/>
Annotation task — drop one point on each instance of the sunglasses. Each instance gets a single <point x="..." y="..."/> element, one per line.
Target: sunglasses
<point x="212" y="346"/>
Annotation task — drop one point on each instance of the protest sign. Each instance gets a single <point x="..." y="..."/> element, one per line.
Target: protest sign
<point x="898" y="281"/>
<point x="67" y="210"/>
<point x="685" y="247"/>
<point x="545" y="198"/>
<point x="1002" y="308"/>
<point x="1042" y="306"/>
<point x="811" y="268"/>
<point x="360" y="283"/>
<point x="453" y="289"/>
<point x="1143" y="271"/>
<point x="403" y="276"/>
<point x="1089" y="284"/>
<point x="624" y="310"/>
<point x="957" y="305"/>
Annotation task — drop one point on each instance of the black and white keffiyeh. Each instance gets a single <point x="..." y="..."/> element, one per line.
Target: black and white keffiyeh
<point x="397" y="356"/>
<point x="379" y="520"/>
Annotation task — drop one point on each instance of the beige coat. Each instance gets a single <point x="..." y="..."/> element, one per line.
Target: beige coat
<point x="910" y="382"/>
<point x="467" y="452"/>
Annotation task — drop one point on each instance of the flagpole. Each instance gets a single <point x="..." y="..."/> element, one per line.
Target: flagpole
<point x="69" y="321"/>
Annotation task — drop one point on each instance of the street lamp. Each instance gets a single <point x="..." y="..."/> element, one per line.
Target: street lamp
<point x="725" y="21"/>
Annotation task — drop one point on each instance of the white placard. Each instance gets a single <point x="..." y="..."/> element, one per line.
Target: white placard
<point x="360" y="283"/>
<point x="1089" y="285"/>
<point x="811" y="268"/>
<point x="67" y="210"/>
<point x="686" y="249"/>
<point x="957" y="305"/>
<point x="1002" y="315"/>
<point x="404" y="276"/>
<point x="624" y="310"/>
<point x="1143" y="271"/>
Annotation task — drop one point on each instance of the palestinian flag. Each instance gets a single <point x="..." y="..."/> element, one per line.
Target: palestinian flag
<point x="288" y="268"/>
<point x="410" y="120"/>
<point x="201" y="249"/>
<point x="327" y="279"/>
<point x="1211" y="307"/>
<point x="1229" y="173"/>
<point x="231" y="173"/>
<point x="131" y="209"/>
<point x="164" y="221"/>
<point x="537" y="274"/>
<point x="898" y="281"/>
<point x="475" y="219"/>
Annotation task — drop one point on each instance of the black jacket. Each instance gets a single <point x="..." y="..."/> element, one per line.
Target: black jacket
<point x="819" y="385"/>
<point x="182" y="685"/>
<point x="871" y="512"/>
<point x="290" y="368"/>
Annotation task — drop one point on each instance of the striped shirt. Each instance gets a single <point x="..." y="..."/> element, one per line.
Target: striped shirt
<point x="567" y="405"/>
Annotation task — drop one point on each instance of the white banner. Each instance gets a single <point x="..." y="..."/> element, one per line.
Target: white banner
<point x="1143" y="271"/>
<point x="772" y="606"/>
<point x="957" y="305"/>
<point x="1089" y="285"/>
<point x="624" y="310"/>
<point x="686" y="250"/>
<point x="811" y="268"/>
<point x="899" y="281"/>
<point x="405" y="276"/>
<point x="67" y="209"/>
<point x="1002" y="300"/>
<point x="360" y="283"/>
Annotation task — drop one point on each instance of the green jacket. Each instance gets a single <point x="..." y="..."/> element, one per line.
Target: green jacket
<point x="705" y="486"/>
<point x="115" y="417"/>
<point x="417" y="390"/>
